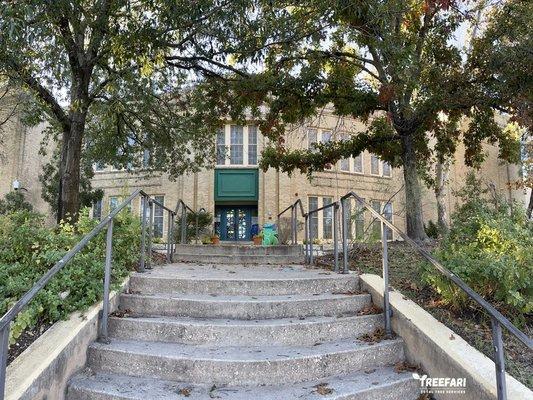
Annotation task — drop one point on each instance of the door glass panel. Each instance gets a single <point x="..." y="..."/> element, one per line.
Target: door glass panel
<point x="242" y="225"/>
<point x="230" y="224"/>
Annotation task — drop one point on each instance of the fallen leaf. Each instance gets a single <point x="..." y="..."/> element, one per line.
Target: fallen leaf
<point x="323" y="389"/>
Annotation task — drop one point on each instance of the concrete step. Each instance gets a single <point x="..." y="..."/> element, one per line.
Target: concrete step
<point x="223" y="332"/>
<point x="293" y="250"/>
<point x="231" y="280"/>
<point x="243" y="307"/>
<point x="243" y="259"/>
<point x="373" y="384"/>
<point x="241" y="365"/>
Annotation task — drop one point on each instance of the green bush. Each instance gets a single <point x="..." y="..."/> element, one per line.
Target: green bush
<point x="490" y="247"/>
<point x="205" y="225"/>
<point x="14" y="201"/>
<point x="28" y="249"/>
<point x="432" y="230"/>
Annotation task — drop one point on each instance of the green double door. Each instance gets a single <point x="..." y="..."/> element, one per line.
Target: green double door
<point x="234" y="222"/>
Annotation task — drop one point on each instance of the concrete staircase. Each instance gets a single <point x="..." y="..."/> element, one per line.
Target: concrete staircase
<point x="204" y="331"/>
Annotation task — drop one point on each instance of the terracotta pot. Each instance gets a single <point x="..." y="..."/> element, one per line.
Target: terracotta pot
<point x="215" y="240"/>
<point x="258" y="241"/>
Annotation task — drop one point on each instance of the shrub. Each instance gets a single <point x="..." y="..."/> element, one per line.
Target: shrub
<point x="28" y="249"/>
<point x="490" y="247"/>
<point x="205" y="223"/>
<point x="14" y="201"/>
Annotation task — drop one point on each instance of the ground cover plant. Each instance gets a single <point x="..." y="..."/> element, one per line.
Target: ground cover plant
<point x="29" y="248"/>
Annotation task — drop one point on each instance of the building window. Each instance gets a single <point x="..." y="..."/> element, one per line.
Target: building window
<point x="359" y="220"/>
<point x="326" y="137"/>
<point x="236" y="145"/>
<point x="387" y="213"/>
<point x="376" y="223"/>
<point x="97" y="209"/>
<point x="312" y="135"/>
<point x="358" y="163"/>
<point x="313" y="219"/>
<point x="348" y="215"/>
<point x="374" y="164"/>
<point x="345" y="162"/>
<point x="327" y="218"/>
<point x="221" y="147"/>
<point x="252" y="144"/>
<point x="146" y="158"/>
<point x="159" y="217"/>
<point x="386" y="169"/>
<point x="113" y="203"/>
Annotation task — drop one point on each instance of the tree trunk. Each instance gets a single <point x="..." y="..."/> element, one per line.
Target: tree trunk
<point x="413" y="195"/>
<point x="69" y="171"/>
<point x="441" y="182"/>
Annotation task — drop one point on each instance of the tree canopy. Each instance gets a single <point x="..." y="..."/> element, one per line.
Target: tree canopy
<point x="395" y="64"/>
<point x="114" y="77"/>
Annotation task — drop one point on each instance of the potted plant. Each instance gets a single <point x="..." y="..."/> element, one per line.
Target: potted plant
<point x="258" y="239"/>
<point x="215" y="239"/>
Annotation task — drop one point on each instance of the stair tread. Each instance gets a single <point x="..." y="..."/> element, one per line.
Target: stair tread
<point x="247" y="298"/>
<point x="237" y="273"/>
<point x="247" y="323"/>
<point x="353" y="385"/>
<point x="238" y="353"/>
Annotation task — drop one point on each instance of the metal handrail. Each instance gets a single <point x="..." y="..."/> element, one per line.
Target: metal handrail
<point x="108" y="222"/>
<point x="497" y="319"/>
<point x="293" y="207"/>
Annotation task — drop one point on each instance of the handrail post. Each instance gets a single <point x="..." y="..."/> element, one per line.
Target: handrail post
<point x="306" y="241"/>
<point x="499" y="359"/>
<point x="344" y="210"/>
<point x="143" y="235"/>
<point x="183" y="225"/>
<point x="386" y="303"/>
<point x="150" y="232"/>
<point x="169" y="228"/>
<point x="335" y="236"/>
<point x="172" y="240"/>
<point x="310" y="241"/>
<point x="104" y="337"/>
<point x="4" y="347"/>
<point x="293" y="221"/>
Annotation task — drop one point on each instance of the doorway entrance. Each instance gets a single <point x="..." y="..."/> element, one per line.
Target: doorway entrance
<point x="233" y="223"/>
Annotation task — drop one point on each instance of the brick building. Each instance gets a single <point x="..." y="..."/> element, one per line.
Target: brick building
<point x="238" y="194"/>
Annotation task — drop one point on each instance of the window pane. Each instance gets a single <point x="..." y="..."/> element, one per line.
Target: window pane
<point x="159" y="217"/>
<point x="311" y="138"/>
<point x="376" y="224"/>
<point x="146" y="158"/>
<point x="348" y="213"/>
<point x="97" y="209"/>
<point x="113" y="203"/>
<point x="359" y="221"/>
<point x="387" y="213"/>
<point x="345" y="162"/>
<point x="236" y="144"/>
<point x="386" y="169"/>
<point x="327" y="218"/>
<point x="252" y="145"/>
<point x="221" y="147"/>
<point x="374" y="165"/>
<point x="313" y="221"/>
<point x="358" y="163"/>
<point x="326" y="136"/>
